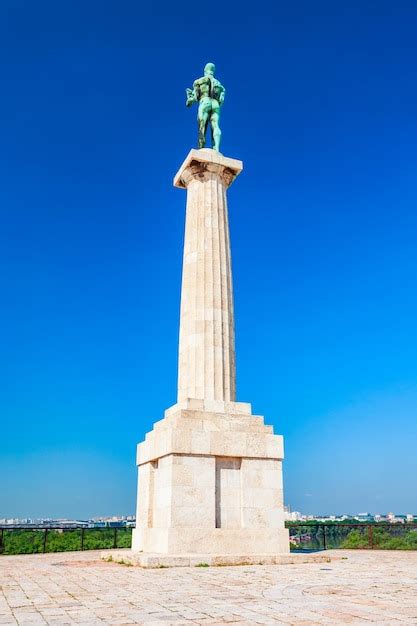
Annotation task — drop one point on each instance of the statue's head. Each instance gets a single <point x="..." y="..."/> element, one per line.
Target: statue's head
<point x="210" y="68"/>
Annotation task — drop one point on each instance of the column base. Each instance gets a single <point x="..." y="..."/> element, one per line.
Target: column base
<point x="190" y="540"/>
<point x="150" y="560"/>
<point x="210" y="483"/>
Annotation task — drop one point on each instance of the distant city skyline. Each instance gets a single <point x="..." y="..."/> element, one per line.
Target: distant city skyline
<point x="290" y="516"/>
<point x="323" y="227"/>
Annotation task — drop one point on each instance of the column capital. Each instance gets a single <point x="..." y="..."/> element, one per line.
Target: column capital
<point x="199" y="164"/>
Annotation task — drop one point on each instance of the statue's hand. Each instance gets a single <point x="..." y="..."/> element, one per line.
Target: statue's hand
<point x="190" y="97"/>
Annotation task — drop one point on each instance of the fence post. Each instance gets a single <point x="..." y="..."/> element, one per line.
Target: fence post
<point x="115" y="538"/>
<point x="371" y="537"/>
<point x="324" y="537"/>
<point x="44" y="540"/>
<point x="82" y="538"/>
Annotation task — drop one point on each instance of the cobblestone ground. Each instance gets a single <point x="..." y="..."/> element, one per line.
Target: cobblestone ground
<point x="77" y="588"/>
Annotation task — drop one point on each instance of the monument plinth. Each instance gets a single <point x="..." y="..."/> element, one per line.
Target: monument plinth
<point x="210" y="472"/>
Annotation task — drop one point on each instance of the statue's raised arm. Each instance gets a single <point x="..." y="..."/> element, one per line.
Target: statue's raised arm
<point x="210" y="94"/>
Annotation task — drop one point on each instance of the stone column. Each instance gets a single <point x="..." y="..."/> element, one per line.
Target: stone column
<point x="206" y="367"/>
<point x="210" y="480"/>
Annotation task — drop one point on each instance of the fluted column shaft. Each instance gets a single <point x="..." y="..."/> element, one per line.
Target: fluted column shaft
<point x="206" y="367"/>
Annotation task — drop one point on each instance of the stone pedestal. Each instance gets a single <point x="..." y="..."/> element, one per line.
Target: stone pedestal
<point x="210" y="482"/>
<point x="210" y="472"/>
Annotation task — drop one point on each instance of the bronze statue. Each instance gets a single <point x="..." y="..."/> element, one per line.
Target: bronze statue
<point x="209" y="93"/>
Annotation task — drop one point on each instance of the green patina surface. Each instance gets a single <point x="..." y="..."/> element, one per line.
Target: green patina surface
<point x="209" y="93"/>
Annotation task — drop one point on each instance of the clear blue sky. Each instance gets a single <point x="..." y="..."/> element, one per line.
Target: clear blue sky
<point x="321" y="107"/>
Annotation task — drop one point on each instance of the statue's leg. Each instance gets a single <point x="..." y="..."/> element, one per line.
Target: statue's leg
<point x="216" y="133"/>
<point x="203" y="115"/>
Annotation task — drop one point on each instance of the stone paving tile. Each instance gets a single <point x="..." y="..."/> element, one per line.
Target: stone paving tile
<point x="357" y="587"/>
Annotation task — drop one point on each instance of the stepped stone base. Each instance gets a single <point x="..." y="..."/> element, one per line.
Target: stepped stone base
<point x="210" y="482"/>
<point x="195" y="540"/>
<point x="148" y="560"/>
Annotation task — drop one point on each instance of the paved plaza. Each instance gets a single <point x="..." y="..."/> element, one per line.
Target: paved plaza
<point x="78" y="588"/>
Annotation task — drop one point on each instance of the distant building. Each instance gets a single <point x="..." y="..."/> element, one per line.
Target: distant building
<point x="364" y="517"/>
<point x="396" y="519"/>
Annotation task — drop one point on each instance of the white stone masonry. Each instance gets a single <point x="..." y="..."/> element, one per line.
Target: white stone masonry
<point x="206" y="367"/>
<point x="210" y="472"/>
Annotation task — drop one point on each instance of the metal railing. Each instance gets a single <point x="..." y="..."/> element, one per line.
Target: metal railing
<point x="342" y="535"/>
<point x="305" y="537"/>
<point x="41" y="539"/>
